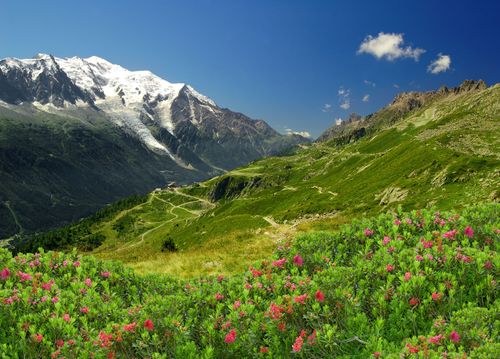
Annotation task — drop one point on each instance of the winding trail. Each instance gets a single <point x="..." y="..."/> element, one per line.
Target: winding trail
<point x="14" y="216"/>
<point x="171" y="211"/>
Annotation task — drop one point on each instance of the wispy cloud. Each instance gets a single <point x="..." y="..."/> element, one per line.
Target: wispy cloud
<point x="366" y="98"/>
<point x="344" y="98"/>
<point x="369" y="83"/>
<point x="326" y="107"/>
<point x="305" y="134"/>
<point x="346" y="105"/>
<point x="441" y="64"/>
<point x="388" y="46"/>
<point x="396" y="86"/>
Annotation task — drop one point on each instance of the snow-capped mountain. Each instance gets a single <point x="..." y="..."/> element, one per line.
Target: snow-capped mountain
<point x="76" y="133"/>
<point x="154" y="110"/>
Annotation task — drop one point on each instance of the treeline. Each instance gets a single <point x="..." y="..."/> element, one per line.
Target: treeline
<point x="78" y="234"/>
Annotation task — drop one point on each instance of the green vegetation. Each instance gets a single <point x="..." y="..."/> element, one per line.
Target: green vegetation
<point x="444" y="155"/>
<point x="412" y="285"/>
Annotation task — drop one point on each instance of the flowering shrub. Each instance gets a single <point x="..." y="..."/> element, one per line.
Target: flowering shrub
<point x="420" y="284"/>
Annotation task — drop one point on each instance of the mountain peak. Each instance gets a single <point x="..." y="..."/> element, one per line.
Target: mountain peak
<point x="41" y="56"/>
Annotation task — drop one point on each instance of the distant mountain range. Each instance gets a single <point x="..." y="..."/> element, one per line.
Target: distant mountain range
<point x="77" y="133"/>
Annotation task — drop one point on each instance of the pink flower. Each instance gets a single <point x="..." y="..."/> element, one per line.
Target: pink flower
<point x="311" y="339"/>
<point x="129" y="327"/>
<point x="24" y="276"/>
<point x="279" y="263"/>
<point x="298" y="344"/>
<point x="38" y="337"/>
<point x="368" y="232"/>
<point x="427" y="244"/>
<point x="76" y="264"/>
<point x="255" y="272"/>
<point x="148" y="325"/>
<point x="454" y="337"/>
<point x="300" y="299"/>
<point x="218" y="296"/>
<point x="297" y="260"/>
<point x="264" y="349"/>
<point x="248" y="286"/>
<point x="320" y="297"/>
<point x="408" y="221"/>
<point x="407" y="276"/>
<point x="376" y="355"/>
<point x="5" y="273"/>
<point x="414" y="301"/>
<point x="397" y="222"/>
<point x="435" y="339"/>
<point x="236" y="305"/>
<point x="230" y="337"/>
<point x="450" y="234"/>
<point x="48" y="286"/>
<point x="386" y="240"/>
<point x="389" y="267"/>
<point x="412" y="349"/>
<point x="84" y="310"/>
<point x="436" y="296"/>
<point x="419" y="258"/>
<point x="105" y="274"/>
<point x="88" y="282"/>
<point x="66" y="318"/>
<point x="469" y="232"/>
<point x="391" y="249"/>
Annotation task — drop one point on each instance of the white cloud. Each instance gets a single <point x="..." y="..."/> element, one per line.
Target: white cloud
<point x="326" y="107"/>
<point x="366" y="98"/>
<point x="369" y="83"/>
<point x="389" y="46"/>
<point x="344" y="98"/>
<point x="346" y="104"/>
<point x="441" y="64"/>
<point x="290" y="132"/>
<point x="396" y="86"/>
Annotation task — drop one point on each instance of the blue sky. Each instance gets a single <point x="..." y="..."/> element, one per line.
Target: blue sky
<point x="281" y="61"/>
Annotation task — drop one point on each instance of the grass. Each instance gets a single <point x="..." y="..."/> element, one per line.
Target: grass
<point x="413" y="163"/>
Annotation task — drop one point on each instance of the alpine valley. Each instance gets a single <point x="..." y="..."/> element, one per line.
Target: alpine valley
<point x="437" y="149"/>
<point x="77" y="134"/>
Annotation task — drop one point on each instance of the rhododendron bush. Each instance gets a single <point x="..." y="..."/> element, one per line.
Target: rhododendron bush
<point x="420" y="284"/>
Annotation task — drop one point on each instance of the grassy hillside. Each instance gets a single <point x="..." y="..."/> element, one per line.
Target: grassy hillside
<point x="419" y="284"/>
<point x="444" y="154"/>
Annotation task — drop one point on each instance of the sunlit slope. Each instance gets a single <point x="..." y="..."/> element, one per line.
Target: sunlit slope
<point x="444" y="155"/>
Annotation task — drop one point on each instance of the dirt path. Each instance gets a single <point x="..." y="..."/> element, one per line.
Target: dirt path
<point x="177" y="190"/>
<point x="171" y="211"/>
<point x="14" y="216"/>
<point x="271" y="221"/>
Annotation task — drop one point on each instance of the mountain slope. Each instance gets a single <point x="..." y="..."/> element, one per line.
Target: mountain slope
<point x="445" y="153"/>
<point x="76" y="134"/>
